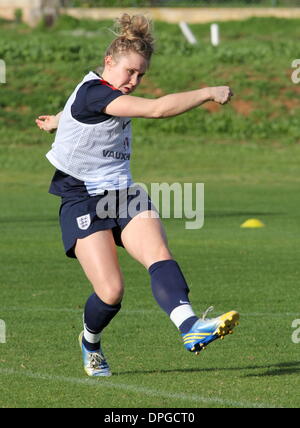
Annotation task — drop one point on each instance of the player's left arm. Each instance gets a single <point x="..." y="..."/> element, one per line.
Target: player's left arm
<point x="48" y="123"/>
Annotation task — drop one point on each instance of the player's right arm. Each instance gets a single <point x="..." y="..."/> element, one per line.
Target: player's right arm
<point x="48" y="123"/>
<point x="168" y="105"/>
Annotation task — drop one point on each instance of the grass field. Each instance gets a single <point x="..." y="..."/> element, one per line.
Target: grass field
<point x="253" y="271"/>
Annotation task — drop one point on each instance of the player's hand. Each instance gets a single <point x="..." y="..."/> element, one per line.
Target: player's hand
<point x="47" y="123"/>
<point x="221" y="94"/>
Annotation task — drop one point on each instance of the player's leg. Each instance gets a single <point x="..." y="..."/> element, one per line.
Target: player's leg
<point x="145" y="239"/>
<point x="98" y="257"/>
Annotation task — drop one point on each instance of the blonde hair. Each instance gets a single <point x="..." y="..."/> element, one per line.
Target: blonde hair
<point x="134" y="33"/>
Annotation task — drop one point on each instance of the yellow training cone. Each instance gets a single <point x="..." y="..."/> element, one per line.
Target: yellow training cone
<point x="253" y="223"/>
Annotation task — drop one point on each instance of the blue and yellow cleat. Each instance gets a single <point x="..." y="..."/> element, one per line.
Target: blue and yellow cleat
<point x="205" y="331"/>
<point x="94" y="363"/>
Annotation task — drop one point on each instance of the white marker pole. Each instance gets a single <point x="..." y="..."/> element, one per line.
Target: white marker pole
<point x="2" y="71"/>
<point x="214" y="34"/>
<point x="2" y="332"/>
<point x="187" y="33"/>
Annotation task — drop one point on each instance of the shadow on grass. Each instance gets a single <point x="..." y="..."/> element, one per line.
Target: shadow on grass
<point x="279" y="369"/>
<point x="288" y="368"/>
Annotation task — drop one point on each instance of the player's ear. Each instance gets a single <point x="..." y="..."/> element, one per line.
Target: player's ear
<point x="108" y="61"/>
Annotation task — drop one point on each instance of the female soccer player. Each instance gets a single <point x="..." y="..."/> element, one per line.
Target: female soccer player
<point x="91" y="154"/>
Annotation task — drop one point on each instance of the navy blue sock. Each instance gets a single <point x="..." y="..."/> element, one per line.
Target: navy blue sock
<point x="171" y="291"/>
<point x="97" y="315"/>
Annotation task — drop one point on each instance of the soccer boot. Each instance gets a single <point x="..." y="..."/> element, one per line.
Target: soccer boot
<point x="94" y="362"/>
<point x="205" y="331"/>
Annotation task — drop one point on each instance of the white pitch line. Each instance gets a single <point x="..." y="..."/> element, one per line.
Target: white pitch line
<point x="103" y="384"/>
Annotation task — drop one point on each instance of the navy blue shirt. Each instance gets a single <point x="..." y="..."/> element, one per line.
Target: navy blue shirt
<point x="66" y="186"/>
<point x="91" y="99"/>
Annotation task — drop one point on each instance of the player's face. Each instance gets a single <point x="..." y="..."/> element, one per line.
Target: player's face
<point x="126" y="72"/>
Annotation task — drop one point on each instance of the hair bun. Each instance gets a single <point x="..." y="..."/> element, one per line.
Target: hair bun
<point x="134" y="33"/>
<point x="135" y="27"/>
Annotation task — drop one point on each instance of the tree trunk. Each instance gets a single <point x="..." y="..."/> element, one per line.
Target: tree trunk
<point x="50" y="11"/>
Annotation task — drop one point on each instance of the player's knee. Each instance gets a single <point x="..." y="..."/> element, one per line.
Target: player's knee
<point x="111" y="292"/>
<point x="115" y="295"/>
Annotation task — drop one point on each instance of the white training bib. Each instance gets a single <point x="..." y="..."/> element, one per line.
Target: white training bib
<point x="98" y="154"/>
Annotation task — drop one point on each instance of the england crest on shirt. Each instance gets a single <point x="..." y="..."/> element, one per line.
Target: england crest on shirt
<point x="84" y="222"/>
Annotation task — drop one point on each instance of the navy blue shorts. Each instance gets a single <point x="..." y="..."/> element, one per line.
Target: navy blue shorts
<point x="83" y="216"/>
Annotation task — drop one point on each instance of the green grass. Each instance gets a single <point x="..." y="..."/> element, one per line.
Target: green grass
<point x="253" y="271"/>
